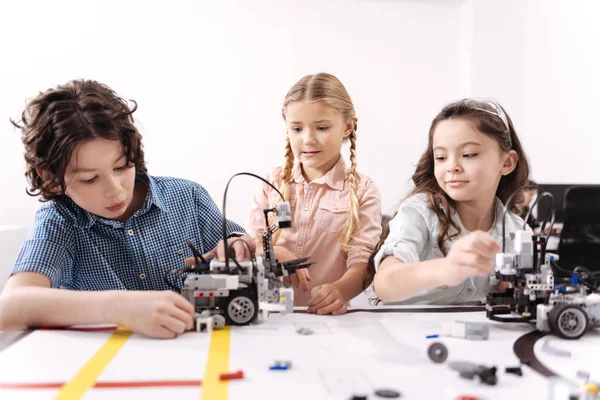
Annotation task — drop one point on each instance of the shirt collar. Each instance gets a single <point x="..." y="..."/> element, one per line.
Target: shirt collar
<point x="335" y="178"/>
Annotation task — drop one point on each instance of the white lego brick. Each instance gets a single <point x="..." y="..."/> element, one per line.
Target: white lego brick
<point x="232" y="282"/>
<point x="454" y="329"/>
<point x="522" y="238"/>
<point x="265" y="305"/>
<point x="541" y="317"/>
<point x="466" y="329"/>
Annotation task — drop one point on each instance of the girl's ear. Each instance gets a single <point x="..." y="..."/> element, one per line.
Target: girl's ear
<point x="350" y="126"/>
<point x="510" y="163"/>
<point x="43" y="174"/>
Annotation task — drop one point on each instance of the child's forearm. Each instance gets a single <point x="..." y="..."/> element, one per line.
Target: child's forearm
<point x="397" y="281"/>
<point x="283" y="254"/>
<point x="39" y="306"/>
<point x="351" y="284"/>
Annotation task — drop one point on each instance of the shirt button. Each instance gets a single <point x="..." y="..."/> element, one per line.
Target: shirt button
<point x="309" y="187"/>
<point x="300" y="243"/>
<point x="470" y="290"/>
<point x="130" y="232"/>
<point x="179" y="251"/>
<point x="142" y="276"/>
<point x="306" y="209"/>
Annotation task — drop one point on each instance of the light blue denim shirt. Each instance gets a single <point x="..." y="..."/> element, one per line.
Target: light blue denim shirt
<point x="413" y="238"/>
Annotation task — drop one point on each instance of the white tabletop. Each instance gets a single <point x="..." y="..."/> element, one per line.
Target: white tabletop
<point x="357" y="353"/>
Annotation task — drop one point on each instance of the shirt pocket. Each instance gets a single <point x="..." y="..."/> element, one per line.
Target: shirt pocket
<point x="332" y="215"/>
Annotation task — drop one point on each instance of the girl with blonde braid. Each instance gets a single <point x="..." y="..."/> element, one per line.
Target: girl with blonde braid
<point x="336" y="211"/>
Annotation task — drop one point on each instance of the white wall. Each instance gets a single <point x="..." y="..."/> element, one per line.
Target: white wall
<point x="11" y="238"/>
<point x="210" y="77"/>
<point x="541" y="59"/>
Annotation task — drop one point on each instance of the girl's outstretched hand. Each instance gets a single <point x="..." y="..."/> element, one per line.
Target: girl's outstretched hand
<point x="472" y="255"/>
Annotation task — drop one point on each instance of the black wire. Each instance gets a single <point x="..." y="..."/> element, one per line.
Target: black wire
<point x="561" y="269"/>
<point x="553" y="215"/>
<point x="224" y="206"/>
<point x="245" y="243"/>
<point x="195" y="253"/>
<point x="508" y="203"/>
<point x="586" y="277"/>
<point x="177" y="272"/>
<point x="175" y="288"/>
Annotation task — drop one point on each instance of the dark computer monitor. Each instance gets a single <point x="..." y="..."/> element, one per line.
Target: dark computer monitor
<point x="558" y="192"/>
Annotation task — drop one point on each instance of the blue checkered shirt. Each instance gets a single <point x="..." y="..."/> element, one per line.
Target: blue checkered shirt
<point x="81" y="251"/>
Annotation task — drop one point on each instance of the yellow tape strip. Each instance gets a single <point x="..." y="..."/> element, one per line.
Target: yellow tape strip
<point x="86" y="377"/>
<point x="218" y="363"/>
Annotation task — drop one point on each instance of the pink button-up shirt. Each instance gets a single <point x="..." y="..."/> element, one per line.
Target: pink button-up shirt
<point x="319" y="211"/>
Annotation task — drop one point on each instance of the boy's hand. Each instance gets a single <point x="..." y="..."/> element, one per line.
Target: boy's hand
<point x="327" y="299"/>
<point x="238" y="248"/>
<point x="469" y="256"/>
<point x="158" y="314"/>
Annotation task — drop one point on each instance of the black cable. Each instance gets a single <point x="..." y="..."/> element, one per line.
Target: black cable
<point x="561" y="269"/>
<point x="166" y="278"/>
<point x="508" y="201"/>
<point x="245" y="243"/>
<point x="553" y="215"/>
<point x="586" y="277"/>
<point x="224" y="206"/>
<point x="506" y="209"/>
<point x="195" y="253"/>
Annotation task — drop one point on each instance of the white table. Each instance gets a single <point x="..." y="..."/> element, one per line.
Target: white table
<point x="359" y="352"/>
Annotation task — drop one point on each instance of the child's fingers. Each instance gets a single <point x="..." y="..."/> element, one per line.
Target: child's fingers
<point x="189" y="261"/>
<point x="287" y="282"/>
<point x="482" y="260"/>
<point x="162" y="332"/>
<point x="221" y="251"/>
<point x="210" y="255"/>
<point x="477" y="262"/>
<point x="182" y="303"/>
<point x="341" y="310"/>
<point x="294" y="279"/>
<point x="326" y="301"/>
<point x="307" y="274"/>
<point x="302" y="279"/>
<point x="336" y="304"/>
<point x="183" y="316"/>
<point x="486" y="241"/>
<point x="173" y="324"/>
<point x="240" y="251"/>
<point x="316" y="295"/>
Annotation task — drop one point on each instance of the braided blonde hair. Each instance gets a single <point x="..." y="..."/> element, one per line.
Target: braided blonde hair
<point x="328" y="89"/>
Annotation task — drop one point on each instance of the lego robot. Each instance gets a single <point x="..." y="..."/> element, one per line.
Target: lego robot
<point x="567" y="310"/>
<point x="241" y="292"/>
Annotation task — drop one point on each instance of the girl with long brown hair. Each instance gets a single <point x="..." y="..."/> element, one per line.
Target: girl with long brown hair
<point x="442" y="241"/>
